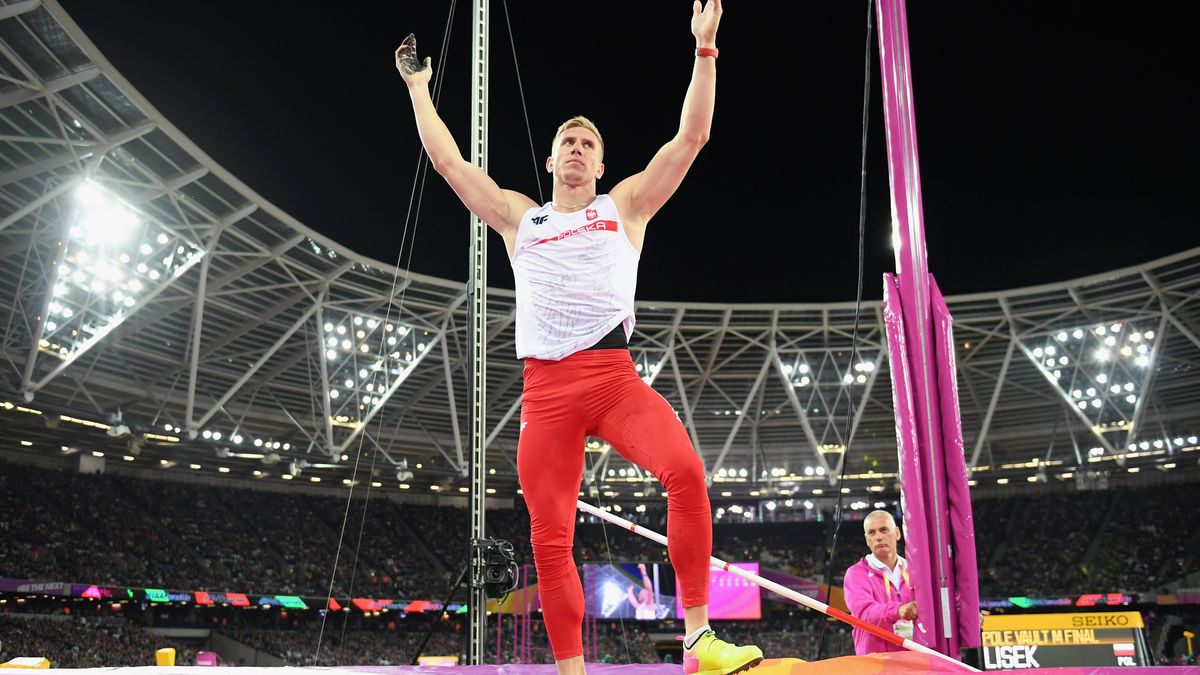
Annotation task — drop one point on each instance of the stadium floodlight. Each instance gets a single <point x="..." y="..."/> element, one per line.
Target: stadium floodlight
<point x="824" y="387"/>
<point x="830" y="367"/>
<point x="649" y="362"/>
<point x="111" y="263"/>
<point x="1099" y="371"/>
<point x="365" y="359"/>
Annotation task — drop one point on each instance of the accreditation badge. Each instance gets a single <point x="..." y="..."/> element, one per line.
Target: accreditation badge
<point x="903" y="628"/>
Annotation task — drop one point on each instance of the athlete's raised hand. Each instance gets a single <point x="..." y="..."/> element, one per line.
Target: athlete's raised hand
<point x="410" y="66"/>
<point x="704" y="22"/>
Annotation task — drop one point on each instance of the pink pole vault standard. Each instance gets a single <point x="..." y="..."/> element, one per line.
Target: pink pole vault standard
<point x="939" y="533"/>
<point x="783" y="590"/>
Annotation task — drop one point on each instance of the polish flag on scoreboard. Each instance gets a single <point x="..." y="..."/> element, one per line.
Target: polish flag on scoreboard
<point x="1123" y="649"/>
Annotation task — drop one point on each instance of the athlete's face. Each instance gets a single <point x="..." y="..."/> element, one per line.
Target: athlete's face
<point x="576" y="157"/>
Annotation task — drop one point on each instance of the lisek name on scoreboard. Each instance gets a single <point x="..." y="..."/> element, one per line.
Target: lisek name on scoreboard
<point x="1010" y="657"/>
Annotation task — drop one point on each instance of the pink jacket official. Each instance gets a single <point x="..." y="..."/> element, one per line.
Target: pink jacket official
<point x="874" y="599"/>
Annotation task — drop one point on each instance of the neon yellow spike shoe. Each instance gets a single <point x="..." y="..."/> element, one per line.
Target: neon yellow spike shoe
<point x="711" y="656"/>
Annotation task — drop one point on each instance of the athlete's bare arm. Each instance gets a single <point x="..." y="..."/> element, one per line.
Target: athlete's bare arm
<point x="640" y="196"/>
<point x="500" y="209"/>
<point x="646" y="583"/>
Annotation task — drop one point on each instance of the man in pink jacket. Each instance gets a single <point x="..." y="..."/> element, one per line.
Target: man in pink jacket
<point x="877" y="588"/>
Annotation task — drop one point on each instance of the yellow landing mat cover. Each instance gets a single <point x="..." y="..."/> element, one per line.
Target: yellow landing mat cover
<point x="894" y="662"/>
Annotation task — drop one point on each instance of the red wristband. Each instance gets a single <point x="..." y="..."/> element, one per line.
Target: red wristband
<point x="706" y="51"/>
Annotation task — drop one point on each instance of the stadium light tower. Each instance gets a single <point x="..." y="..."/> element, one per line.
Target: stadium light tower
<point x="111" y="261"/>
<point x="364" y="360"/>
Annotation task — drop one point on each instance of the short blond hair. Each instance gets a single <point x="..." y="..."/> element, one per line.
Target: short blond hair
<point x="577" y="121"/>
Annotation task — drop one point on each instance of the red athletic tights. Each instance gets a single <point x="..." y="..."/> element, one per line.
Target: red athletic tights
<point x="599" y="393"/>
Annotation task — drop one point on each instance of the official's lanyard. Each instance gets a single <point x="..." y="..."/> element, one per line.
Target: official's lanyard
<point x="887" y="582"/>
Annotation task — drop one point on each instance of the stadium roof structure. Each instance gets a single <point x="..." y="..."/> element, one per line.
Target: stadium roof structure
<point x="147" y="293"/>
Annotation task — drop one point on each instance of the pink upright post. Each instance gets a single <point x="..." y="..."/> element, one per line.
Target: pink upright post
<point x="943" y="572"/>
<point x="587" y="589"/>
<point x="590" y="638"/>
<point x="517" y="625"/>
<point x="528" y="620"/>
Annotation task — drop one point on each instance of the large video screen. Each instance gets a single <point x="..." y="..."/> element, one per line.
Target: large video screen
<point x="628" y="590"/>
<point x="731" y="597"/>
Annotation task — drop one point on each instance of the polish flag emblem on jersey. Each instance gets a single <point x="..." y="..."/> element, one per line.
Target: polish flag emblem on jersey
<point x="591" y="214"/>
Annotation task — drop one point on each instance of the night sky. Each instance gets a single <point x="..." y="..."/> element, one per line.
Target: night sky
<point x="1056" y="140"/>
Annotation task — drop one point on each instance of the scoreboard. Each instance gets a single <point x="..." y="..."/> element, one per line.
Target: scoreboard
<point x="1018" y="641"/>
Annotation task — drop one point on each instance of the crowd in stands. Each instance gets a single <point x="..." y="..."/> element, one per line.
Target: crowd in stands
<point x="83" y="643"/>
<point x="183" y="536"/>
<point x="119" y="531"/>
<point x="115" y="530"/>
<point x="1150" y="542"/>
<point x="991" y="513"/>
<point x="1046" y="558"/>
<point x="173" y="535"/>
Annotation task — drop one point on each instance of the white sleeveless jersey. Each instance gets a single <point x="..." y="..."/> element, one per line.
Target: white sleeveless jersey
<point x="575" y="277"/>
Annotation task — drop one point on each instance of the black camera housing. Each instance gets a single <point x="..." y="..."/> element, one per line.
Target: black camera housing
<point x="494" y="567"/>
